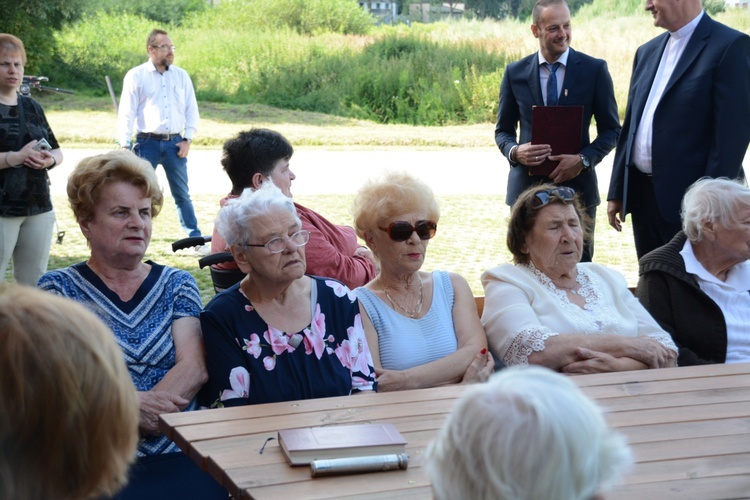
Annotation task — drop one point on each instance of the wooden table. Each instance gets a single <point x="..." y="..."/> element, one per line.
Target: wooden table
<point x="689" y="428"/>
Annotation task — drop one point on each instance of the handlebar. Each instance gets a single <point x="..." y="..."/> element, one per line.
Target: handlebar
<point x="35" y="82"/>
<point x="190" y="242"/>
<point x="215" y="258"/>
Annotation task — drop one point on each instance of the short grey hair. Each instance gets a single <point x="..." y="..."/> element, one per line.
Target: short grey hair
<point x="235" y="219"/>
<point x="712" y="201"/>
<point x="527" y="433"/>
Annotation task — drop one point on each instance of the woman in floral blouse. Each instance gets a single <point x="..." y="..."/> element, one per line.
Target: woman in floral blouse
<point x="279" y="335"/>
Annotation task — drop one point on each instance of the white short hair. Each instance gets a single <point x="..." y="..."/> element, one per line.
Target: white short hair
<point x="712" y="201"/>
<point x="235" y="219"/>
<point x="527" y="433"/>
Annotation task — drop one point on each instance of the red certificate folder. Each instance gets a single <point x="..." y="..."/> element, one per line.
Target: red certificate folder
<point x="559" y="126"/>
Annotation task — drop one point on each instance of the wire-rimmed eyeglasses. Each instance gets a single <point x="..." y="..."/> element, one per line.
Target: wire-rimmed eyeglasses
<point x="164" y="46"/>
<point x="277" y="245"/>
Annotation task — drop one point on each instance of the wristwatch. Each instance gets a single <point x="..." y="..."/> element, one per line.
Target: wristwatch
<point x="189" y="141"/>
<point x="586" y="163"/>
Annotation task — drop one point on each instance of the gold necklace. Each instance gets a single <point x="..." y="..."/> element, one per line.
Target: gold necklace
<point x="394" y="303"/>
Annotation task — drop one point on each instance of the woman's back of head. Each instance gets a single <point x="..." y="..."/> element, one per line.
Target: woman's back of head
<point x="527" y="433"/>
<point x="251" y="152"/>
<point x="68" y="408"/>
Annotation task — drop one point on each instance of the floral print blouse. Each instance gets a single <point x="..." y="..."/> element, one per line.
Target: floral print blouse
<point x="251" y="362"/>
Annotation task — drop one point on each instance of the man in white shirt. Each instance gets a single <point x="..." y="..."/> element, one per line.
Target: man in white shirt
<point x="160" y="99"/>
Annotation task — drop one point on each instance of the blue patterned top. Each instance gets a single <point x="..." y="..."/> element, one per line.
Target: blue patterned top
<point x="405" y="342"/>
<point x="142" y="325"/>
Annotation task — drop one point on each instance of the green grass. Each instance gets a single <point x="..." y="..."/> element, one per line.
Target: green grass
<point x="470" y="238"/>
<point x="83" y="121"/>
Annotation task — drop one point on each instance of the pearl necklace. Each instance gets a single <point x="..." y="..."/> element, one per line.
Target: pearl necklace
<point x="394" y="303"/>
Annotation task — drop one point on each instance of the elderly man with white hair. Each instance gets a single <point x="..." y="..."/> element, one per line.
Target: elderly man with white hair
<point x="696" y="286"/>
<point x="527" y="433"/>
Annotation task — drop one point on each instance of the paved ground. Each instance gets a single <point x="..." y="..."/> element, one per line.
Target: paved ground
<point x="322" y="171"/>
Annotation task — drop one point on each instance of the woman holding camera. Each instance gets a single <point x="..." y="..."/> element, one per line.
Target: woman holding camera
<point x="27" y="149"/>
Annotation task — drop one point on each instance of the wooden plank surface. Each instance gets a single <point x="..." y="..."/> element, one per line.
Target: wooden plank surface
<point x="699" y="488"/>
<point x="680" y="373"/>
<point x="689" y="428"/>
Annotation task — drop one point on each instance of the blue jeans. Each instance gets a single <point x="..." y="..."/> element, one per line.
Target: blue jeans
<point x="164" y="153"/>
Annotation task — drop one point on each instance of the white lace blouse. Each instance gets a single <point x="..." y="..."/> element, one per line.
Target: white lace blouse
<point x="523" y="308"/>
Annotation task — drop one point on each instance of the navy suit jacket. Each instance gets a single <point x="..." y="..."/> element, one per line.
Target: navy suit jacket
<point x="588" y="84"/>
<point x="702" y="122"/>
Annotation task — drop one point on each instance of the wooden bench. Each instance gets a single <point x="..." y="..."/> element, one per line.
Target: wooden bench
<point x="480" y="304"/>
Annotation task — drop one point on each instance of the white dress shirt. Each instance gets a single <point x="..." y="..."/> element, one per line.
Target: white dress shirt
<point x="733" y="298"/>
<point x="158" y="103"/>
<point x="544" y="73"/>
<point x="676" y="44"/>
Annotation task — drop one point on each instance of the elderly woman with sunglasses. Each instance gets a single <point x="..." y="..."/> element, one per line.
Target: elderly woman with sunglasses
<point x="422" y="327"/>
<point x="279" y="335"/>
<point x="550" y="309"/>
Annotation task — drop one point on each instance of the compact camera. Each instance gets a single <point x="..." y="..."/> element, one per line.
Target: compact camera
<point x="42" y="145"/>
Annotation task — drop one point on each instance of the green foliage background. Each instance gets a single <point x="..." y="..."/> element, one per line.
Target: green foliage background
<point x="327" y="56"/>
<point x="35" y="23"/>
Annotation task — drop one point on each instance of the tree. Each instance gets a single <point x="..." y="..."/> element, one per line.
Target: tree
<point x="713" y="7"/>
<point x="519" y="9"/>
<point x="164" y="12"/>
<point x="35" y="22"/>
<point x="452" y="5"/>
<point x="494" y="9"/>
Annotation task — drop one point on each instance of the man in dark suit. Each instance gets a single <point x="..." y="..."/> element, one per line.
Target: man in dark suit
<point x="581" y="81"/>
<point x="688" y="116"/>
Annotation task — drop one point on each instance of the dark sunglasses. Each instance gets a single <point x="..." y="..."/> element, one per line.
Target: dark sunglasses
<point x="563" y="193"/>
<point x="402" y="230"/>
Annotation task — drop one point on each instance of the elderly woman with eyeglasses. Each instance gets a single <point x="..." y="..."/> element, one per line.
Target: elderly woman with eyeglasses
<point x="279" y="335"/>
<point x="423" y="327"/>
<point x="550" y="309"/>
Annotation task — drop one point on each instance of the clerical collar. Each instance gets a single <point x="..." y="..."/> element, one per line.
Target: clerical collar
<point x="688" y="29"/>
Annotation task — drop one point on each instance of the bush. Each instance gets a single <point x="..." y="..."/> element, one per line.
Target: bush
<point x="714" y="7"/>
<point x="264" y="51"/>
<point x="98" y="46"/>
<point x="35" y="23"/>
<point x="308" y="17"/>
<point x="163" y="12"/>
<point x="398" y="75"/>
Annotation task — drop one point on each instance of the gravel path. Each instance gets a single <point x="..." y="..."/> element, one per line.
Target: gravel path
<point x="323" y="171"/>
